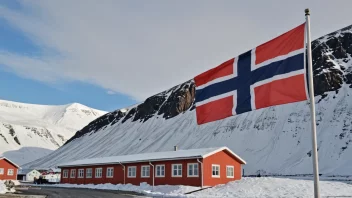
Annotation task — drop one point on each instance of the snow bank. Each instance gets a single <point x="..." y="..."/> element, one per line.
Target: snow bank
<point x="2" y="187"/>
<point x="275" y="187"/>
<point x="267" y="187"/>
<point x="16" y="182"/>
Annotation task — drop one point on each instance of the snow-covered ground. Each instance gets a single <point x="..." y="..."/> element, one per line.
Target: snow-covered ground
<point x="3" y="189"/>
<point x="263" y="187"/>
<point x="29" y="131"/>
<point x="276" y="187"/>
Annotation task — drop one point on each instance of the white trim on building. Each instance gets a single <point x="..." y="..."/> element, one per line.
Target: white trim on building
<point x="160" y="170"/>
<point x="215" y="170"/>
<point x="176" y="170"/>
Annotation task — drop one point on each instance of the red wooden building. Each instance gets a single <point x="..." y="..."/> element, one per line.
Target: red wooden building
<point x="8" y="169"/>
<point x="195" y="167"/>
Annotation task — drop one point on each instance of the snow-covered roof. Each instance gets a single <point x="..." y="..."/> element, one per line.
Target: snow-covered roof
<point x="2" y="157"/>
<point x="56" y="170"/>
<point x="156" y="156"/>
<point x="25" y="171"/>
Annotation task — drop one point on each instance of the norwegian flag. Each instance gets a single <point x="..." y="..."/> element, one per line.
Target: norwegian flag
<point x="271" y="74"/>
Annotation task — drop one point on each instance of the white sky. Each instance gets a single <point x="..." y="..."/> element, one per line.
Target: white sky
<point x="140" y="48"/>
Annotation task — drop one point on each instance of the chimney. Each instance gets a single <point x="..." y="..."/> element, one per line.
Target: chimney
<point x="175" y="148"/>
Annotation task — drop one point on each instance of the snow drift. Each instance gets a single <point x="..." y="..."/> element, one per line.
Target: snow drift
<point x="3" y="189"/>
<point x="247" y="187"/>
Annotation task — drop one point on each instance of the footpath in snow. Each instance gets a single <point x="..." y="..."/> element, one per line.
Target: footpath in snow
<point x="267" y="187"/>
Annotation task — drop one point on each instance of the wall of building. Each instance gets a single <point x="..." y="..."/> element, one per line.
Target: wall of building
<point x="168" y="179"/>
<point x="31" y="175"/>
<point x="21" y="177"/>
<point x="116" y="179"/>
<point x="119" y="174"/>
<point x="52" y="177"/>
<point x="7" y="165"/>
<point x="223" y="159"/>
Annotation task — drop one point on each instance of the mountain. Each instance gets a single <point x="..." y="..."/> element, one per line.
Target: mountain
<point x="29" y="131"/>
<point x="275" y="140"/>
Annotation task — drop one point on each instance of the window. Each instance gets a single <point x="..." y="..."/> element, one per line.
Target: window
<point x="88" y="173"/>
<point x="1" y="171"/>
<point x="131" y="171"/>
<point x="192" y="170"/>
<point x="145" y="171"/>
<point x="110" y="172"/>
<point x="73" y="173"/>
<point x="65" y="174"/>
<point x="177" y="170"/>
<point x="10" y="172"/>
<point x="229" y="171"/>
<point x="80" y="173"/>
<point x="215" y="170"/>
<point x="160" y="171"/>
<point x="98" y="172"/>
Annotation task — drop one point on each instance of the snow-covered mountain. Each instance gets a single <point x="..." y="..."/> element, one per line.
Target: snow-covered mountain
<point x="274" y="140"/>
<point x="29" y="131"/>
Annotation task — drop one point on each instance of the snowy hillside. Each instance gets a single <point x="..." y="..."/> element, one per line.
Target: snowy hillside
<point x="275" y="140"/>
<point x="28" y="131"/>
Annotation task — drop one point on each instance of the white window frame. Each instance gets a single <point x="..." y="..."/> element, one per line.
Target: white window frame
<point x="145" y="176"/>
<point x="227" y="172"/>
<point x="107" y="172"/>
<point x="101" y="172"/>
<point x="65" y="174"/>
<point x="212" y="166"/>
<point x="73" y="171"/>
<point x="10" y="172"/>
<point x="172" y="170"/>
<point x="193" y="175"/>
<point x="128" y="171"/>
<point x="156" y="170"/>
<point x="81" y="170"/>
<point x="91" y="173"/>
<point x="1" y="171"/>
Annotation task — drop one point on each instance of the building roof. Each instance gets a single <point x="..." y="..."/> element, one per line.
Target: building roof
<point x="156" y="156"/>
<point x="55" y="170"/>
<point x="25" y="171"/>
<point x="2" y="157"/>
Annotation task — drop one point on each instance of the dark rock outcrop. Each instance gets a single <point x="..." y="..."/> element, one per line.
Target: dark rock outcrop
<point x="329" y="53"/>
<point x="179" y="101"/>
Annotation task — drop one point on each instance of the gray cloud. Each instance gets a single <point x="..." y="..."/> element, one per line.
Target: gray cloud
<point x="140" y="48"/>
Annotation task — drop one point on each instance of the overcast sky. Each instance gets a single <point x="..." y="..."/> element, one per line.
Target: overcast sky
<point x="139" y="48"/>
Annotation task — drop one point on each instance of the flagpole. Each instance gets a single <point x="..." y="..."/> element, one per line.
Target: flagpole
<point x="312" y="109"/>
